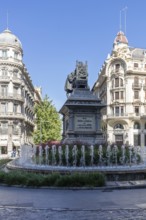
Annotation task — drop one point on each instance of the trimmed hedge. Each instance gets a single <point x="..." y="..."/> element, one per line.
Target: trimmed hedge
<point x="55" y="179"/>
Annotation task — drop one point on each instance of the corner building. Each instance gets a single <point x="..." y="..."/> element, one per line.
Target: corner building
<point x="121" y="85"/>
<point x="16" y="96"/>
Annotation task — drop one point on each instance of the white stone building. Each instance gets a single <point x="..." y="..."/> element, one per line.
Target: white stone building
<point x="16" y="96"/>
<point x="121" y="84"/>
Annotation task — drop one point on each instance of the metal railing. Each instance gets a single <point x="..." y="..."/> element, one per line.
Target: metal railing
<point x="136" y="86"/>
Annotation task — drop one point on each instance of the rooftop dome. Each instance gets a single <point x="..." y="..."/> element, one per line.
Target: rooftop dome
<point x="7" y="38"/>
<point x="120" y="38"/>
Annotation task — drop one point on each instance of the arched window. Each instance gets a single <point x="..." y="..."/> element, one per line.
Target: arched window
<point x="118" y="126"/>
<point x="117" y="67"/>
<point x="136" y="125"/>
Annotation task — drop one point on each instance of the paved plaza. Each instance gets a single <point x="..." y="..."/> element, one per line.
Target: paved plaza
<point x="43" y="204"/>
<point x="8" y="213"/>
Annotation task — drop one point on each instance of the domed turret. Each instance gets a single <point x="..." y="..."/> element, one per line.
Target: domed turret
<point x="120" y="38"/>
<point x="9" y="39"/>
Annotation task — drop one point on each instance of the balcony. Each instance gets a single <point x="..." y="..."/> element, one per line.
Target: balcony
<point x="116" y="115"/>
<point x="117" y="101"/>
<point x="29" y="121"/>
<point x="117" y="71"/>
<point x="29" y="106"/>
<point x="3" y="131"/>
<point x="17" y="80"/>
<point x="12" y="96"/>
<point x="120" y="87"/>
<point x="4" y="78"/>
<point x="10" y="115"/>
<point x="136" y="86"/>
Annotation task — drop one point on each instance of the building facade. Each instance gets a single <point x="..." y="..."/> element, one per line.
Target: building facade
<point x="121" y="85"/>
<point x="16" y="96"/>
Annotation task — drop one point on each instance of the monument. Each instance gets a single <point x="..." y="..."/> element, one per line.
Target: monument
<point x="81" y="111"/>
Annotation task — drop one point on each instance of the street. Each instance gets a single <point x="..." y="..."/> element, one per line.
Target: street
<point x="28" y="203"/>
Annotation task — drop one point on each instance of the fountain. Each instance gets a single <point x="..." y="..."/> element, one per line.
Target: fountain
<point x="115" y="162"/>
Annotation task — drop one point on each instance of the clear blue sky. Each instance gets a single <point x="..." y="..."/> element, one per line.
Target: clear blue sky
<point x="56" y="33"/>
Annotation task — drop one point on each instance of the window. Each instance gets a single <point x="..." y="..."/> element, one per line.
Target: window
<point x="119" y="139"/>
<point x="122" y="110"/>
<point x="135" y="65"/>
<point x="116" y="95"/>
<point x="136" y="125"/>
<point x="117" y="67"/>
<point x="137" y="141"/>
<point x="4" y="53"/>
<point x="136" y="109"/>
<point x="3" y="107"/>
<point x="136" y="80"/>
<point x="136" y="94"/>
<point x="15" y="128"/>
<point x="15" y="55"/>
<point x="4" y="72"/>
<point x="118" y="126"/>
<point x="121" y="82"/>
<point x="15" y="108"/>
<point x="122" y="96"/>
<point x="4" y="90"/>
<point x="22" y="92"/>
<point x="15" y="90"/>
<point x="117" y="111"/>
<point x="116" y="82"/>
<point x="4" y="127"/>
<point x="3" y="149"/>
<point x="15" y="74"/>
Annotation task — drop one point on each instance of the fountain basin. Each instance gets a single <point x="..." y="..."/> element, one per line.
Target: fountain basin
<point x="114" y="173"/>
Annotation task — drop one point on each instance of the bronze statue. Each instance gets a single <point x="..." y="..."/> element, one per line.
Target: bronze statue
<point x="77" y="79"/>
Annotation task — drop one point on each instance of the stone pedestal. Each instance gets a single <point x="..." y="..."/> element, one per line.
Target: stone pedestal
<point x="81" y="118"/>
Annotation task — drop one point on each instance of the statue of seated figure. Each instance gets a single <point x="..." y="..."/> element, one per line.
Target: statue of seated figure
<point x="77" y="79"/>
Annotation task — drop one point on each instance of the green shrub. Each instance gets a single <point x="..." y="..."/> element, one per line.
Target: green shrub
<point x="55" y="179"/>
<point x="50" y="179"/>
<point x="35" y="180"/>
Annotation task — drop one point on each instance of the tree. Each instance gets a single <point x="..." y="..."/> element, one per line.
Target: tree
<point x="48" y="122"/>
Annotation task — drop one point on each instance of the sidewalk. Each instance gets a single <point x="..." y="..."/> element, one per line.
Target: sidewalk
<point x="126" y="184"/>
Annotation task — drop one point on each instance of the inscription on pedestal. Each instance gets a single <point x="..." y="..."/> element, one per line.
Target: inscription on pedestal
<point x="84" y="123"/>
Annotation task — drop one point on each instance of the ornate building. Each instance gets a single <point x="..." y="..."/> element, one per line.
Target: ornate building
<point x="16" y="96"/>
<point x="121" y="85"/>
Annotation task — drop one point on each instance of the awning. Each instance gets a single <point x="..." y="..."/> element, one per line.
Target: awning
<point x="3" y="143"/>
<point x="16" y="143"/>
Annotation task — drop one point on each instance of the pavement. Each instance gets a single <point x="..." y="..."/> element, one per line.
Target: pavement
<point x="117" y="200"/>
<point x="47" y="204"/>
<point x="133" y="184"/>
<point x="39" y="214"/>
